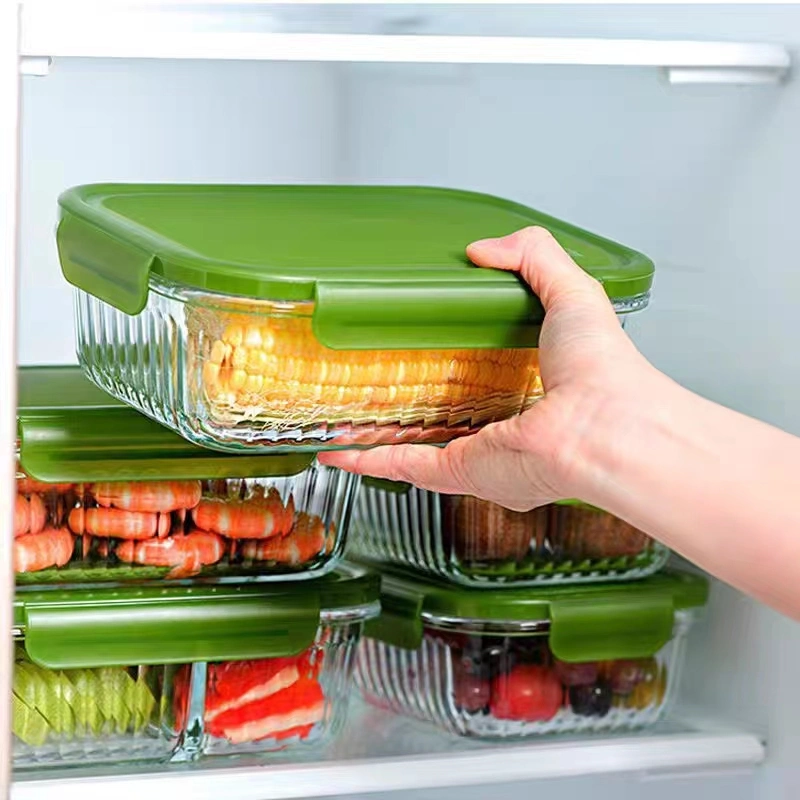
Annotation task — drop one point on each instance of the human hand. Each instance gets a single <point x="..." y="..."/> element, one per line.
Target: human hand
<point x="588" y="366"/>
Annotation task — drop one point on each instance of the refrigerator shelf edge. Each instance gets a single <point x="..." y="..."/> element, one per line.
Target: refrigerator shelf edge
<point x="379" y="752"/>
<point x="220" y="33"/>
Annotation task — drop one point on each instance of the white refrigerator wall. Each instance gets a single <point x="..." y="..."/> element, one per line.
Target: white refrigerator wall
<point x="703" y="179"/>
<point x="91" y="121"/>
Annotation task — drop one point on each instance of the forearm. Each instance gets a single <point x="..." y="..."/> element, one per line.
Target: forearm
<point x="717" y="487"/>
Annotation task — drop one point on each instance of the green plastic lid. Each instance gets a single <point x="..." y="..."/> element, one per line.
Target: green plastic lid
<point x="385" y="265"/>
<point x="71" y="431"/>
<point x="128" y="626"/>
<point x="584" y="623"/>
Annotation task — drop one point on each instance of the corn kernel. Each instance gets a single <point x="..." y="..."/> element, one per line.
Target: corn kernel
<point x="238" y="378"/>
<point x="233" y="335"/>
<point x="254" y="384"/>
<point x="217" y="352"/>
<point x="239" y="358"/>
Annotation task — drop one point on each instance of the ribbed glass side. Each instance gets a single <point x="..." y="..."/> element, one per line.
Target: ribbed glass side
<point x="498" y="687"/>
<point x="236" y="375"/>
<point x="476" y="543"/>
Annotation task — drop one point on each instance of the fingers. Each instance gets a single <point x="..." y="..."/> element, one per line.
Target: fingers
<point x="434" y="468"/>
<point x="540" y="259"/>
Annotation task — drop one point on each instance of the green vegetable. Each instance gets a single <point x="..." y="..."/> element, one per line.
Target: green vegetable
<point x="27" y="723"/>
<point x="77" y="702"/>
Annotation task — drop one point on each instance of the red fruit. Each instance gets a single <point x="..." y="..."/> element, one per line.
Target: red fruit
<point x="582" y="674"/>
<point x="529" y="693"/>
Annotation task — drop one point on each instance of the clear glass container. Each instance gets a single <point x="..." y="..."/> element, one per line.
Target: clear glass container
<point x="477" y="543"/>
<point x="222" y="669"/>
<point x="90" y="716"/>
<point x="499" y="681"/>
<point x="252" y="374"/>
<point x="255" y="316"/>
<point x="270" y="704"/>
<point x="234" y="529"/>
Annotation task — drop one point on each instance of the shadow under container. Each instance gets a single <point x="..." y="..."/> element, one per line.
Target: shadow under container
<point x="262" y="317"/>
<point x="106" y="495"/>
<point x="473" y="542"/>
<point x="173" y="674"/>
<point x="517" y="663"/>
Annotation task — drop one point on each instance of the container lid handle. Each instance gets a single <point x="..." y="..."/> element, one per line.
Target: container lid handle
<point x="87" y="634"/>
<point x="612" y="626"/>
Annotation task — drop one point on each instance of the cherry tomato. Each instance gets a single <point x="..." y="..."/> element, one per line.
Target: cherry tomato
<point x="529" y="693"/>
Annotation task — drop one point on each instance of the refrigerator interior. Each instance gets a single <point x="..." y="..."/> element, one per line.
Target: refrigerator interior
<point x="704" y="179"/>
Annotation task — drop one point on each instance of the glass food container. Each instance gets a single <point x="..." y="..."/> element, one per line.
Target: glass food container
<point x="216" y="669"/>
<point x="256" y="317"/>
<point x="105" y="494"/>
<point x="477" y="543"/>
<point x="514" y="663"/>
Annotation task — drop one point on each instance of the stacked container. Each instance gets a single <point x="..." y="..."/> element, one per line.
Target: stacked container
<point x="282" y="320"/>
<point x="473" y="542"/>
<point x="172" y="601"/>
<point x="507" y="663"/>
<point x="106" y="495"/>
<point x="176" y="673"/>
<point x="256" y="317"/>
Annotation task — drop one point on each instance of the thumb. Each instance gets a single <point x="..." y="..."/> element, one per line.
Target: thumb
<point x="539" y="258"/>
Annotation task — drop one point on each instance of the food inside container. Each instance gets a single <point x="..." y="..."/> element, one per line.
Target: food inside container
<point x="581" y="532"/>
<point x="514" y="663"/>
<point x="85" y="688"/>
<point x="119" y="713"/>
<point x="256" y="317"/>
<point x="298" y="697"/>
<point x="223" y="669"/>
<point x="107" y="495"/>
<point x="477" y="543"/>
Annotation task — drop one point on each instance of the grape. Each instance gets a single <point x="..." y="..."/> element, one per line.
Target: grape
<point x="591" y="701"/>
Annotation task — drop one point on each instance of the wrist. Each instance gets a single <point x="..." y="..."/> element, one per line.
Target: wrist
<point x="624" y="428"/>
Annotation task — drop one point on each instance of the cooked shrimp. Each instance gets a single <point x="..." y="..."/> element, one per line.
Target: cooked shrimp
<point x="119" y="523"/>
<point x="163" y="496"/>
<point x="330" y="539"/>
<point x="186" y="553"/>
<point x="30" y="515"/>
<point x="305" y="542"/>
<point x="257" y="517"/>
<point x="52" y="547"/>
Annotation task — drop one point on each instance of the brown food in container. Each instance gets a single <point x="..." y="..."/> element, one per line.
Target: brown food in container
<point x="582" y="532"/>
<point x="484" y="531"/>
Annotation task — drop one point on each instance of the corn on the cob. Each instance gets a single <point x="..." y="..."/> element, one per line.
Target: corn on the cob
<point x="274" y="367"/>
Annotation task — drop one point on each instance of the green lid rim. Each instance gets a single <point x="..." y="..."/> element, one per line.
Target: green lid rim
<point x="70" y="431"/>
<point x="165" y="625"/>
<point x="112" y="257"/>
<point x="586" y="622"/>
